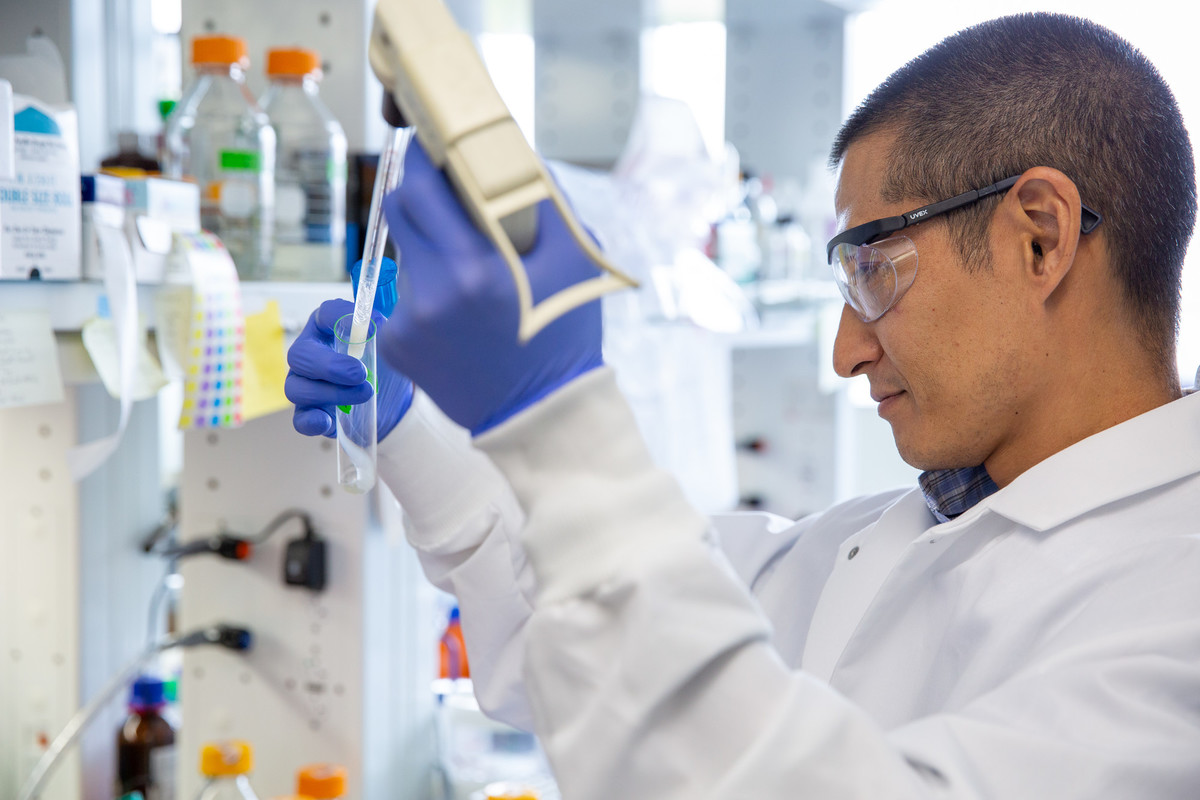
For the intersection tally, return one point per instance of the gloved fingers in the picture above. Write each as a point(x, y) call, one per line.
point(327, 314)
point(427, 200)
point(544, 263)
point(307, 393)
point(312, 359)
point(313, 422)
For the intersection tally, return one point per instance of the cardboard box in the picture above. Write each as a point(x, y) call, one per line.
point(40, 206)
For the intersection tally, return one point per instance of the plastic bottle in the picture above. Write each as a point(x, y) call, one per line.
point(310, 171)
point(453, 650)
point(321, 781)
point(146, 744)
point(218, 136)
point(225, 766)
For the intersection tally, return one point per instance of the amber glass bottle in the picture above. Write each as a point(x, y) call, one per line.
point(146, 744)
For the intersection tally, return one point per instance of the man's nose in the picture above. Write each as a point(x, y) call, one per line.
point(856, 346)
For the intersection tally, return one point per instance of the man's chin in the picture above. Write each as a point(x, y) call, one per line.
point(924, 459)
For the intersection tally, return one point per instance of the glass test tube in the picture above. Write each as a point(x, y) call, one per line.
point(356, 463)
point(356, 432)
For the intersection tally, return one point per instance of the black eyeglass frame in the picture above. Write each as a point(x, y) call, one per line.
point(876, 229)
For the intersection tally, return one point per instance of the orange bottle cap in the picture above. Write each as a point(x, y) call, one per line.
point(321, 781)
point(295, 61)
point(234, 757)
point(510, 791)
point(219, 50)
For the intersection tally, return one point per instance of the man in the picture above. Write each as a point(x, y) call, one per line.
point(1015, 205)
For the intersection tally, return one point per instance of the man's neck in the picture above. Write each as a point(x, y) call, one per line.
point(1076, 409)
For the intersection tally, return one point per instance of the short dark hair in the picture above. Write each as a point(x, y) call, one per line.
point(1047, 90)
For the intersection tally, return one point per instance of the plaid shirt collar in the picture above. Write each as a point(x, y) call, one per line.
point(950, 492)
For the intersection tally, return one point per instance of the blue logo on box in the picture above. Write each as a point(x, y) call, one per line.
point(30, 120)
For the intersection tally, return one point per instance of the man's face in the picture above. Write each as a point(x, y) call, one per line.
point(949, 364)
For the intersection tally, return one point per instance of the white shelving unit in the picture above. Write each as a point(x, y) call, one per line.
point(72, 303)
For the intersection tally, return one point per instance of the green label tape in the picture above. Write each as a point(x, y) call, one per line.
point(241, 160)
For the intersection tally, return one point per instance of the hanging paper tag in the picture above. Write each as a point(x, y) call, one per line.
point(215, 339)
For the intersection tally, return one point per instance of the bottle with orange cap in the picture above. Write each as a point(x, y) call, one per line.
point(506, 790)
point(225, 767)
point(321, 781)
point(219, 137)
point(310, 170)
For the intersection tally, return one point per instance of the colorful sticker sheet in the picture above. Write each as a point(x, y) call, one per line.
point(212, 395)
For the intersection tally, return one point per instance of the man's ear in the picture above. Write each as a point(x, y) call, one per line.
point(1047, 215)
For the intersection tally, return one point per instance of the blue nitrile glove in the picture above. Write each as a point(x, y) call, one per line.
point(454, 329)
point(321, 378)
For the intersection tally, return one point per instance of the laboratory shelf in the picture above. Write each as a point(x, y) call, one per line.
point(72, 303)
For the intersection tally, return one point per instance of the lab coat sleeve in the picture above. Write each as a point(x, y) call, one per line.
point(649, 666)
point(651, 672)
point(463, 519)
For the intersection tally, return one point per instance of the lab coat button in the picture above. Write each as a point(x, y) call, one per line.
point(853, 552)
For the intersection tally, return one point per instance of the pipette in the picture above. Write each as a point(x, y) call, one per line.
point(356, 433)
point(387, 176)
point(430, 68)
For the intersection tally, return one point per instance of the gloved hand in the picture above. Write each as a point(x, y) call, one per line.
point(454, 328)
point(320, 378)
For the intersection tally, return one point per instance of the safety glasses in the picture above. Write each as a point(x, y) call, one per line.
point(873, 269)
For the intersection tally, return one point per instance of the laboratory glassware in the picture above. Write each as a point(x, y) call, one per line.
point(356, 453)
point(146, 743)
point(219, 137)
point(356, 425)
point(310, 171)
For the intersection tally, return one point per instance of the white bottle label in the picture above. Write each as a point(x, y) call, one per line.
point(162, 773)
point(290, 206)
point(238, 198)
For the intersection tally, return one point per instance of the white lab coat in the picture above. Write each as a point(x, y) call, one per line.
point(1045, 644)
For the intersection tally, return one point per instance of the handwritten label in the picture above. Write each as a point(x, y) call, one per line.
point(29, 373)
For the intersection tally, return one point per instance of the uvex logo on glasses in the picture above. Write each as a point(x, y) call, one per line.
point(873, 272)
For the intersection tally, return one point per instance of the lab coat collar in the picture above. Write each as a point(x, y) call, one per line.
point(1150, 450)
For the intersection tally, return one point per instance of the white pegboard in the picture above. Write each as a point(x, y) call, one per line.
point(586, 84)
point(783, 96)
point(314, 682)
point(74, 598)
point(39, 603)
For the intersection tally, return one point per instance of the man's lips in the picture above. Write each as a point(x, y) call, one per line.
point(879, 397)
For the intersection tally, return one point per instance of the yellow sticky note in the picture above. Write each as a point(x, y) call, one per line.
point(265, 366)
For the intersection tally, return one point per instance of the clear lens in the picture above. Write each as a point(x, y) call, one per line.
point(872, 277)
